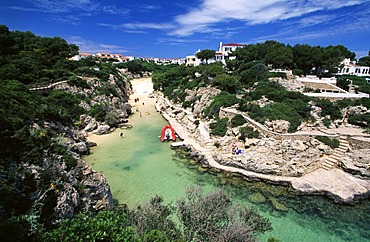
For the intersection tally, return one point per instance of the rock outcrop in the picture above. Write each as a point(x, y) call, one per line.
point(269, 156)
point(74, 185)
point(115, 105)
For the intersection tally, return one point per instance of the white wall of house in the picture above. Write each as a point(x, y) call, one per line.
point(192, 60)
point(354, 70)
point(350, 68)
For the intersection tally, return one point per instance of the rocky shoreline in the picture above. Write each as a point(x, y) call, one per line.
point(263, 159)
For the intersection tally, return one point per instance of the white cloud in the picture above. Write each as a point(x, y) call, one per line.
point(314, 20)
point(158, 26)
point(138, 28)
point(94, 47)
point(68, 6)
point(212, 12)
point(56, 6)
point(114, 10)
point(350, 23)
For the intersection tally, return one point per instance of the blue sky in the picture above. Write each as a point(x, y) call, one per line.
point(170, 28)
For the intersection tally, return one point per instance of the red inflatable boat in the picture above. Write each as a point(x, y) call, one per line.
point(168, 133)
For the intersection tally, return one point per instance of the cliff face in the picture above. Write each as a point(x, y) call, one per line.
point(106, 101)
point(66, 184)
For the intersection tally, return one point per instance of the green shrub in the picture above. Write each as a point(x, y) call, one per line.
point(107, 225)
point(237, 120)
point(223, 99)
point(333, 143)
point(326, 122)
point(362, 120)
point(328, 108)
point(248, 132)
point(98, 111)
point(111, 119)
point(78, 82)
point(219, 127)
point(297, 72)
point(278, 111)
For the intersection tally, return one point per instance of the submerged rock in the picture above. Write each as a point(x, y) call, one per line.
point(257, 198)
point(277, 205)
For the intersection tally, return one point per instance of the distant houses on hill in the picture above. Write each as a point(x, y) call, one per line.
point(103, 55)
point(120, 58)
point(347, 67)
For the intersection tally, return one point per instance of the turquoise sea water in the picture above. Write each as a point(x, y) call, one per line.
point(139, 166)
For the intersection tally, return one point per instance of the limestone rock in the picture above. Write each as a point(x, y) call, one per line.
point(102, 129)
point(278, 126)
point(357, 110)
point(90, 124)
point(80, 148)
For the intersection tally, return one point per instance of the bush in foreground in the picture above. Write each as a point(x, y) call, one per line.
point(210, 217)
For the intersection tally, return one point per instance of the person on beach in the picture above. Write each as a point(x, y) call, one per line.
point(122, 135)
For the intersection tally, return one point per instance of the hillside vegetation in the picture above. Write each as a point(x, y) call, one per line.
point(244, 82)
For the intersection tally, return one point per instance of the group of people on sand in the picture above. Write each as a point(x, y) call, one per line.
point(235, 150)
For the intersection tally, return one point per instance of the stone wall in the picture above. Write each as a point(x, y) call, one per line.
point(358, 144)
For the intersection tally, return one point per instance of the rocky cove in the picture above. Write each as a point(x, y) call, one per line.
point(276, 157)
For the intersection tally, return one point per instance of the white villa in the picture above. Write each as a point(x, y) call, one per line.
point(224, 51)
point(350, 68)
point(222, 54)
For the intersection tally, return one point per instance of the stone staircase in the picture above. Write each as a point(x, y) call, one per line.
point(332, 160)
point(319, 122)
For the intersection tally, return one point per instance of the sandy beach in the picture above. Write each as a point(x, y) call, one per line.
point(141, 89)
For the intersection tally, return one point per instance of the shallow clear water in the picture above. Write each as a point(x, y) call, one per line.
point(139, 166)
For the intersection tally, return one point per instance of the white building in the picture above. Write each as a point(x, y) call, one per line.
point(80, 56)
point(192, 60)
point(350, 68)
point(223, 53)
point(225, 50)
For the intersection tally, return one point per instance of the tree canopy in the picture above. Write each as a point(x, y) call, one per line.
point(205, 54)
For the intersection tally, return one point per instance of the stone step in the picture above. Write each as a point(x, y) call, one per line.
point(331, 159)
point(327, 163)
point(342, 149)
point(326, 167)
point(337, 155)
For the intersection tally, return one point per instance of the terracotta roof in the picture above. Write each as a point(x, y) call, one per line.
point(84, 54)
point(232, 44)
